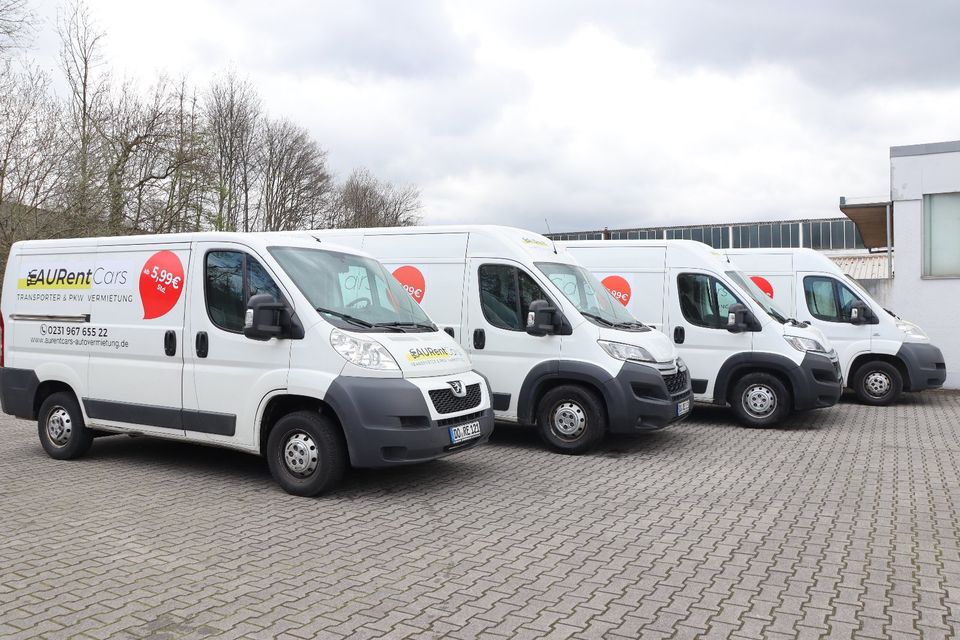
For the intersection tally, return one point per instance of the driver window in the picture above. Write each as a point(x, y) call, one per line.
point(505, 295)
point(704, 300)
point(822, 299)
point(846, 298)
point(231, 278)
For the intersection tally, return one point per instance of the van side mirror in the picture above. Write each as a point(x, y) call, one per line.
point(263, 319)
point(861, 313)
point(542, 319)
point(740, 319)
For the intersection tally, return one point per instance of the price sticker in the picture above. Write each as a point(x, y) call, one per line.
point(161, 283)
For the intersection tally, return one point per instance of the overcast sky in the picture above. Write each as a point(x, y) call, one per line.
point(588, 114)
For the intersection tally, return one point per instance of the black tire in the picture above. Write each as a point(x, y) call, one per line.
point(63, 433)
point(306, 440)
point(571, 419)
point(760, 400)
point(877, 383)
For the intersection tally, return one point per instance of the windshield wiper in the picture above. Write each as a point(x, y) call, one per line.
point(346, 316)
point(597, 318)
point(416, 325)
point(632, 324)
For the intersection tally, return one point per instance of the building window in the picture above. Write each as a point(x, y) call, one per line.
point(941, 235)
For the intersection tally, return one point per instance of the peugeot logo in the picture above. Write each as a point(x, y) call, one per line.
point(457, 388)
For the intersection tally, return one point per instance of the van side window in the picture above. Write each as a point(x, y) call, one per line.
point(505, 295)
point(828, 299)
point(231, 278)
point(704, 300)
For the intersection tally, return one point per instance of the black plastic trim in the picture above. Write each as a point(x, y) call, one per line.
point(373, 413)
point(814, 383)
point(926, 367)
point(699, 386)
point(222, 424)
point(501, 401)
point(628, 410)
point(18, 389)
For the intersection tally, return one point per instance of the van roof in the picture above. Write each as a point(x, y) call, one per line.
point(691, 248)
point(252, 239)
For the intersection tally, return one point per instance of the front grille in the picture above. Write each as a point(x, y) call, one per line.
point(676, 383)
point(445, 402)
point(448, 422)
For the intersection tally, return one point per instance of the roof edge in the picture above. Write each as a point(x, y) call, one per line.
point(925, 149)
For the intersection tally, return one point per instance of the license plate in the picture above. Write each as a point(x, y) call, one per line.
point(463, 432)
point(683, 407)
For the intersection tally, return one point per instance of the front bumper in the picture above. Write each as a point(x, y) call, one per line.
point(817, 382)
point(387, 422)
point(638, 399)
point(926, 368)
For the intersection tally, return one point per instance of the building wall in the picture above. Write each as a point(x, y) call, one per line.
point(934, 304)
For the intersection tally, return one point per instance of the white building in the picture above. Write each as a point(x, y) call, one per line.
point(924, 209)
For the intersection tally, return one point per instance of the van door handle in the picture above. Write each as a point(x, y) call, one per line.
point(679, 335)
point(203, 344)
point(479, 339)
point(170, 343)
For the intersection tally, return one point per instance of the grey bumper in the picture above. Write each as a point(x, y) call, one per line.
point(817, 382)
point(386, 422)
point(926, 368)
point(638, 399)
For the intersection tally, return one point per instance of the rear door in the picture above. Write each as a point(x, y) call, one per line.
point(697, 318)
point(226, 374)
point(135, 337)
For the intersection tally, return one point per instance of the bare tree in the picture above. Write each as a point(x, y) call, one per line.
point(233, 114)
point(31, 165)
point(16, 22)
point(364, 201)
point(295, 184)
point(80, 58)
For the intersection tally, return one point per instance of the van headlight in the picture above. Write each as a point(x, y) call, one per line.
point(804, 344)
point(911, 330)
point(621, 351)
point(368, 354)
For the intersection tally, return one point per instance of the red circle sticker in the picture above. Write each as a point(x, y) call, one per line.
point(412, 280)
point(764, 285)
point(618, 287)
point(161, 283)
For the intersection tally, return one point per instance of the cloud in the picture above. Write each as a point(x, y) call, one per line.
point(588, 114)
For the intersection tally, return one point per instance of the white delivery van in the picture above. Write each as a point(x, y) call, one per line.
point(305, 352)
point(880, 354)
point(740, 348)
point(559, 352)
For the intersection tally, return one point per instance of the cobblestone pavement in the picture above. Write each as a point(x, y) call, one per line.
point(844, 524)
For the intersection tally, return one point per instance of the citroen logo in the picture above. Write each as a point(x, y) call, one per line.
point(457, 388)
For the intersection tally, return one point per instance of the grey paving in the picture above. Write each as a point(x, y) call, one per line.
point(843, 525)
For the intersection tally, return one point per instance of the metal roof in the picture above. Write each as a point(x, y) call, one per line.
point(864, 266)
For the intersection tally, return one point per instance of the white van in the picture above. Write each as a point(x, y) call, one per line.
point(559, 352)
point(880, 354)
point(740, 348)
point(258, 342)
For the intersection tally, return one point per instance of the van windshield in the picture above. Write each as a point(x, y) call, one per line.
point(591, 298)
point(758, 296)
point(350, 291)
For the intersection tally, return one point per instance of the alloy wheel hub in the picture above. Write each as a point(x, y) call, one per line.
point(300, 454)
point(569, 419)
point(759, 400)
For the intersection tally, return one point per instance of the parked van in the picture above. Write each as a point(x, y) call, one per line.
point(257, 342)
point(880, 354)
point(559, 352)
point(741, 348)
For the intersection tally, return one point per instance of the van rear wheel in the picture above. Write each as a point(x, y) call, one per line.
point(570, 419)
point(877, 383)
point(760, 400)
point(306, 454)
point(63, 433)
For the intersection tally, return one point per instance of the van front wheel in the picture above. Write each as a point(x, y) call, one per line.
point(63, 433)
point(877, 383)
point(570, 419)
point(305, 453)
point(760, 400)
